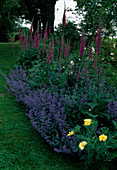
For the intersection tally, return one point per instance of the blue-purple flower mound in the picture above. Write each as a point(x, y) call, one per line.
point(46, 111)
point(53, 115)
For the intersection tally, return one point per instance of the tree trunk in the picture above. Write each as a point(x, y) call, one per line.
point(47, 14)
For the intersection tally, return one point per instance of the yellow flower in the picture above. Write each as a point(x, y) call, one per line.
point(87, 122)
point(89, 109)
point(82, 145)
point(103, 137)
point(70, 133)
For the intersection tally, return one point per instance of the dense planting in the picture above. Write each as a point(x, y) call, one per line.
point(61, 89)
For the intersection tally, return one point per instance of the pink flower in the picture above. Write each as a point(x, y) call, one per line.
point(69, 47)
point(52, 48)
point(95, 62)
point(41, 33)
point(85, 71)
point(37, 40)
point(99, 39)
point(73, 69)
point(24, 42)
point(44, 46)
point(27, 42)
point(64, 17)
point(82, 45)
point(20, 37)
point(46, 34)
point(49, 61)
point(65, 53)
point(101, 70)
point(47, 57)
point(90, 53)
point(62, 44)
point(78, 75)
point(11, 44)
point(31, 30)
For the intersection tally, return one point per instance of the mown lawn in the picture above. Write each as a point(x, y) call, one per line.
point(21, 146)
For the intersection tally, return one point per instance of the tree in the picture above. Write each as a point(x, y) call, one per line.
point(39, 10)
point(104, 10)
point(8, 15)
point(36, 10)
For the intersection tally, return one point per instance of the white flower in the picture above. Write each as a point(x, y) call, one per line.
point(93, 50)
point(112, 58)
point(112, 54)
point(99, 4)
point(72, 63)
point(114, 45)
point(71, 73)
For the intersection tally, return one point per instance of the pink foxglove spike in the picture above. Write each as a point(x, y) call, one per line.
point(101, 70)
point(44, 47)
point(99, 39)
point(64, 15)
point(82, 45)
point(11, 44)
point(90, 53)
point(31, 30)
point(85, 71)
point(78, 75)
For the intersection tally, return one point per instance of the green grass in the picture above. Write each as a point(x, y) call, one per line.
point(21, 146)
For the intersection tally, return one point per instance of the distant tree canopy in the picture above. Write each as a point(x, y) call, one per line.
point(104, 10)
point(36, 10)
point(8, 15)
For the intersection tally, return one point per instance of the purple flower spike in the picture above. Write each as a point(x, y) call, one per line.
point(82, 45)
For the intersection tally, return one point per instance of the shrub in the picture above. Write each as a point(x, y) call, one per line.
point(70, 32)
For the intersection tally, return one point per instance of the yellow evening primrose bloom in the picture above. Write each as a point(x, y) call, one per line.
point(87, 122)
point(90, 110)
point(82, 145)
point(70, 133)
point(103, 137)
